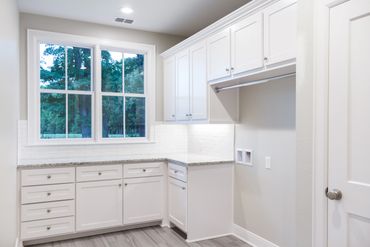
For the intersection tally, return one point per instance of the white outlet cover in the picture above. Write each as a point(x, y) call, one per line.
point(244, 157)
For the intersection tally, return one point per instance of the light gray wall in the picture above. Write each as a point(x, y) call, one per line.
point(265, 199)
point(9, 70)
point(30, 21)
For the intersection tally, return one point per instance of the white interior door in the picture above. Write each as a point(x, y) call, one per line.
point(349, 124)
point(182, 86)
point(199, 84)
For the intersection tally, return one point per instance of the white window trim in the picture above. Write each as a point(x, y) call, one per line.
point(35, 37)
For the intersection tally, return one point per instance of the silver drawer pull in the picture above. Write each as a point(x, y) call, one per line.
point(126, 184)
point(175, 171)
point(183, 188)
point(48, 194)
point(49, 177)
point(48, 211)
point(144, 170)
point(48, 228)
point(99, 173)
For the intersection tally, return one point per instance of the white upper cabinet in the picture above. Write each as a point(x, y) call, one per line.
point(247, 45)
point(183, 85)
point(198, 82)
point(219, 55)
point(169, 78)
point(280, 24)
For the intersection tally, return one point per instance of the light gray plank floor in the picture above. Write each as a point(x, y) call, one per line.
point(146, 237)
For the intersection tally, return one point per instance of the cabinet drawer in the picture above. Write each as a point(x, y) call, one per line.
point(48, 176)
point(177, 171)
point(46, 228)
point(142, 170)
point(47, 210)
point(48, 193)
point(96, 173)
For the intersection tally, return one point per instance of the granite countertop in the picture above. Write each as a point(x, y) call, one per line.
point(180, 159)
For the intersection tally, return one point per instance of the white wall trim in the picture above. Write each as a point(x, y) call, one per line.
point(207, 238)
point(320, 138)
point(251, 238)
point(18, 243)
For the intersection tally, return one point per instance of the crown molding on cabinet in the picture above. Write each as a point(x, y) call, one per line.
point(247, 9)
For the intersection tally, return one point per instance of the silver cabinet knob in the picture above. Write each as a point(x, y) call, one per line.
point(48, 228)
point(48, 211)
point(144, 170)
point(227, 69)
point(120, 185)
point(334, 194)
point(48, 194)
point(183, 188)
point(49, 176)
point(173, 115)
point(126, 184)
point(266, 59)
point(99, 173)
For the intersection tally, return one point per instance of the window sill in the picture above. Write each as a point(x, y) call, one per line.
point(90, 142)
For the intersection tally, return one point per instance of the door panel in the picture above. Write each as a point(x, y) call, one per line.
point(280, 22)
point(98, 204)
point(169, 78)
point(199, 84)
point(142, 199)
point(218, 58)
point(349, 121)
point(177, 197)
point(182, 86)
point(247, 44)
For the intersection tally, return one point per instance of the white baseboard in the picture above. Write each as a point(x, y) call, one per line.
point(18, 243)
point(251, 238)
point(210, 237)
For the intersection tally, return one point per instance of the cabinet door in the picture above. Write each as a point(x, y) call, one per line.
point(247, 45)
point(218, 58)
point(280, 23)
point(169, 78)
point(177, 197)
point(198, 82)
point(182, 86)
point(142, 199)
point(98, 204)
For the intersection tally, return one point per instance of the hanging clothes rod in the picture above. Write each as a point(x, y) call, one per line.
point(250, 83)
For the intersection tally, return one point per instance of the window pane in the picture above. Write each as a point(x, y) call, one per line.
point(52, 66)
point(53, 116)
point(135, 117)
point(134, 73)
point(79, 116)
point(112, 116)
point(79, 68)
point(111, 69)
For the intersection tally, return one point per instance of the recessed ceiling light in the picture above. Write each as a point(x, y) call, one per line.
point(127, 10)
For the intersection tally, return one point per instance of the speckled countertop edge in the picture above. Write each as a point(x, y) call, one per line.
point(122, 161)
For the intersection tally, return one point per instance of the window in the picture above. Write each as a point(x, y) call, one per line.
point(86, 90)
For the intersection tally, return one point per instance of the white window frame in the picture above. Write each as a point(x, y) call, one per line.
point(35, 37)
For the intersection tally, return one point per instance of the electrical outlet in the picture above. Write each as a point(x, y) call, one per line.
point(268, 162)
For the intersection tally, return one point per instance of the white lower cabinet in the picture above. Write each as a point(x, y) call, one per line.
point(143, 199)
point(177, 203)
point(98, 204)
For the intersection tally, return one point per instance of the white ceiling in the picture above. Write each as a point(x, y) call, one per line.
point(180, 17)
